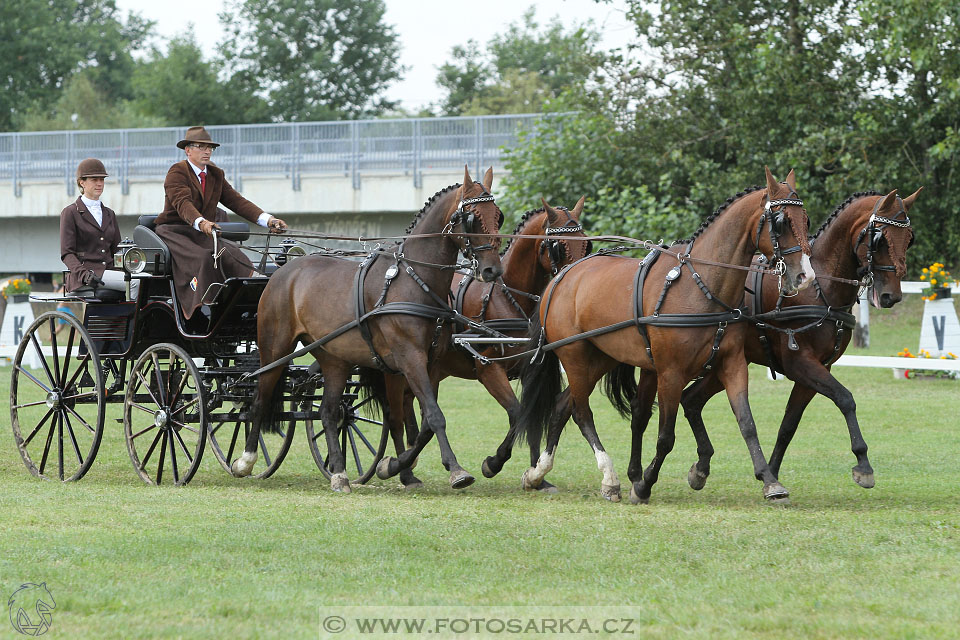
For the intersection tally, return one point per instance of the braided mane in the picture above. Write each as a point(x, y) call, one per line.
point(524, 219)
point(839, 209)
point(713, 216)
point(427, 205)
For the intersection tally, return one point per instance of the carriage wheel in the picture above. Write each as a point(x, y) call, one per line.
point(358, 437)
point(228, 438)
point(57, 411)
point(164, 416)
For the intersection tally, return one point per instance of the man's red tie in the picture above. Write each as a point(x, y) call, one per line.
point(203, 181)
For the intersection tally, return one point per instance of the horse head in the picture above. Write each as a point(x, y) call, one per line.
point(785, 243)
point(477, 219)
point(556, 253)
point(881, 247)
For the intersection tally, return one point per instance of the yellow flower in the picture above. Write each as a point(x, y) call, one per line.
point(925, 270)
point(933, 281)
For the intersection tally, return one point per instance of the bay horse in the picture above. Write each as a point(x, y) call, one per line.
point(507, 306)
point(863, 242)
point(378, 314)
point(598, 317)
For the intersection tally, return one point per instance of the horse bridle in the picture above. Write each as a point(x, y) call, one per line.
point(873, 233)
point(775, 214)
point(555, 248)
point(464, 218)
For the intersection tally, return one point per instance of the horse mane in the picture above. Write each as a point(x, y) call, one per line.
point(426, 205)
point(839, 209)
point(713, 216)
point(524, 219)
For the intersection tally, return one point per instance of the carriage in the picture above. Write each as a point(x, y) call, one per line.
point(181, 383)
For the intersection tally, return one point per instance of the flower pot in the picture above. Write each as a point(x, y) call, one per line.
point(942, 293)
point(20, 297)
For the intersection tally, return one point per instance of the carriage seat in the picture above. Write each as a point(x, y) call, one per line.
point(146, 238)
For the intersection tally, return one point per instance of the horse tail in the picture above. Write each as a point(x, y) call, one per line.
point(620, 387)
point(267, 413)
point(372, 391)
point(541, 384)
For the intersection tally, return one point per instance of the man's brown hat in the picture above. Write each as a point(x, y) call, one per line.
point(197, 135)
point(91, 168)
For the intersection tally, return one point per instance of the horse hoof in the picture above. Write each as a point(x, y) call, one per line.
point(486, 470)
point(243, 466)
point(528, 485)
point(409, 481)
point(460, 479)
point(412, 484)
point(696, 479)
point(340, 482)
point(383, 468)
point(546, 487)
point(865, 480)
point(610, 492)
point(775, 492)
point(635, 498)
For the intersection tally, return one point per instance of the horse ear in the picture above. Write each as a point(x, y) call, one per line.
point(578, 208)
point(771, 183)
point(792, 180)
point(909, 200)
point(889, 201)
point(467, 182)
point(488, 179)
point(553, 216)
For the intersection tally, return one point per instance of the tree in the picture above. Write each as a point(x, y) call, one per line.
point(180, 88)
point(313, 59)
point(43, 42)
point(81, 106)
point(522, 69)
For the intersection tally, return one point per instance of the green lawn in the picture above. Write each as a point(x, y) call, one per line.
point(233, 558)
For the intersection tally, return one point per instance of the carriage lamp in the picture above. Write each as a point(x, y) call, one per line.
point(134, 260)
point(289, 250)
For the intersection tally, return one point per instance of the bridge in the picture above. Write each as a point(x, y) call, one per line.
point(361, 177)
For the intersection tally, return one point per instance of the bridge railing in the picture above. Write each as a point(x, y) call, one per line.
point(350, 148)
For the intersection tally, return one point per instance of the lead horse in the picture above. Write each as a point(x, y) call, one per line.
point(381, 314)
point(598, 318)
point(863, 242)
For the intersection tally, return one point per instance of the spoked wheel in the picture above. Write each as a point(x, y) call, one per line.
point(362, 446)
point(57, 409)
point(228, 436)
point(164, 416)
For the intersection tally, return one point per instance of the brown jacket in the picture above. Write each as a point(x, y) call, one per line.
point(183, 201)
point(85, 245)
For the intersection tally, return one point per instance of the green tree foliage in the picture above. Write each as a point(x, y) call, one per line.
point(181, 88)
point(44, 42)
point(521, 69)
point(853, 96)
point(82, 106)
point(314, 59)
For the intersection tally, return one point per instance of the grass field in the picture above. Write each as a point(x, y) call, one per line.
point(233, 558)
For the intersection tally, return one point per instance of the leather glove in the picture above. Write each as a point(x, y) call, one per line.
point(208, 227)
point(89, 278)
point(276, 225)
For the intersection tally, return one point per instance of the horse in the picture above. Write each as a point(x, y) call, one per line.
point(598, 319)
point(863, 242)
point(381, 314)
point(506, 306)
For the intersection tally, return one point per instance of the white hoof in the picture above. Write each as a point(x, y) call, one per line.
point(528, 481)
point(243, 466)
point(611, 493)
point(340, 482)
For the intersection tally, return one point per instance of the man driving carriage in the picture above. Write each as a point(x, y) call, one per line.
point(192, 190)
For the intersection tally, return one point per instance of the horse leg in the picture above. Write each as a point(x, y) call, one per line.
point(669, 389)
point(495, 381)
point(693, 400)
point(261, 409)
point(331, 415)
point(641, 409)
point(734, 376)
point(533, 478)
point(397, 401)
point(800, 397)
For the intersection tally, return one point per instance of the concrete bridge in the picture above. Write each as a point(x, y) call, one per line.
point(343, 178)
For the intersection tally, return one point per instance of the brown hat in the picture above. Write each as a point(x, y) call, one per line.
point(197, 135)
point(91, 168)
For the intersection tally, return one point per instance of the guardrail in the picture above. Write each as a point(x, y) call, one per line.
point(351, 148)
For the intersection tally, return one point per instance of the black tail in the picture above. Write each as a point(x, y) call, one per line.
point(542, 383)
point(268, 414)
point(372, 391)
point(620, 387)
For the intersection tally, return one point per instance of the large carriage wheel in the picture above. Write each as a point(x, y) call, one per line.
point(358, 437)
point(57, 411)
point(228, 438)
point(164, 416)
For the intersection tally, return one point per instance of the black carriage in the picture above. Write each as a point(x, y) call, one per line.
point(181, 381)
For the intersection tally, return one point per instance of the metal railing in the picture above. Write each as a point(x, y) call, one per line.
point(351, 148)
